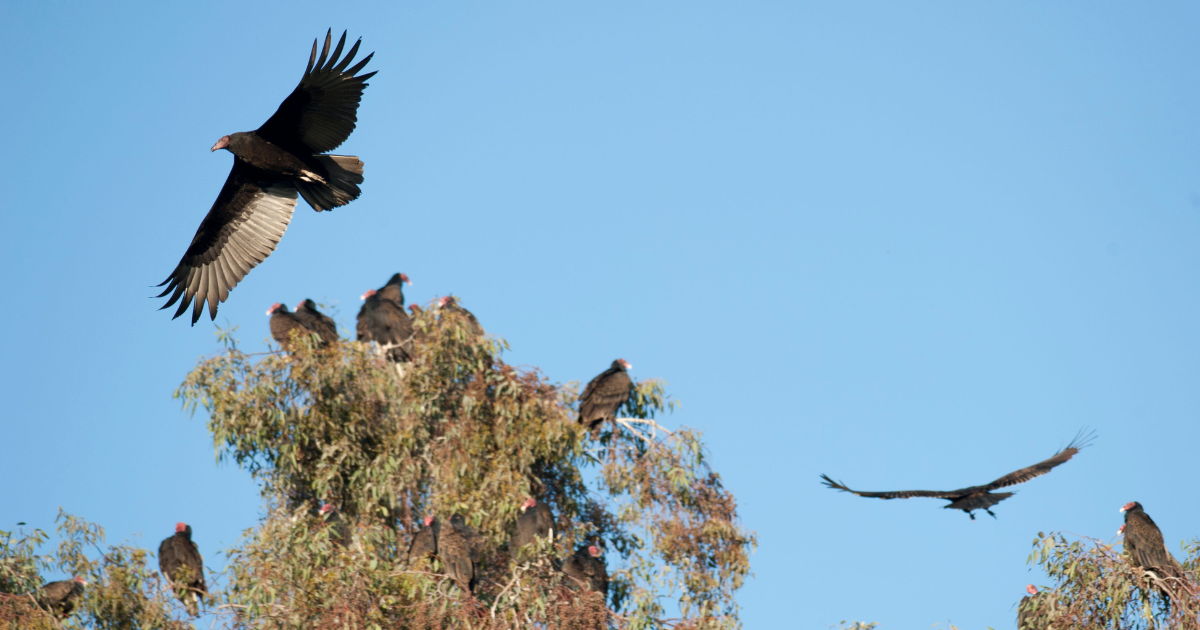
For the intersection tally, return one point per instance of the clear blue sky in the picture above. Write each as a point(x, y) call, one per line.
point(911, 245)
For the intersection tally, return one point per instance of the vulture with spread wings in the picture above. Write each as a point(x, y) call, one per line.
point(270, 166)
point(979, 497)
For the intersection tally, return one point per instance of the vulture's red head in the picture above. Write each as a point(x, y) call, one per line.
point(625, 364)
point(1121, 530)
point(78, 579)
point(368, 294)
point(444, 301)
point(276, 307)
point(428, 520)
point(405, 280)
point(1031, 589)
point(1130, 506)
point(414, 308)
point(328, 508)
point(530, 502)
point(181, 528)
point(223, 143)
point(593, 551)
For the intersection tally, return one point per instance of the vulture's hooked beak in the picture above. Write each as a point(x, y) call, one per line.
point(223, 143)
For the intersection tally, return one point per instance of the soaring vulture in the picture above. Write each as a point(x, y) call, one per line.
point(586, 567)
point(1144, 543)
point(317, 322)
point(978, 497)
point(425, 543)
point(1031, 612)
point(604, 395)
point(180, 563)
point(449, 304)
point(270, 166)
point(536, 521)
point(382, 319)
point(59, 597)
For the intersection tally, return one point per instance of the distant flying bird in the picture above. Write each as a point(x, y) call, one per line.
point(536, 521)
point(382, 319)
point(317, 322)
point(424, 543)
point(979, 497)
point(1144, 543)
point(271, 164)
point(458, 548)
point(586, 568)
point(180, 562)
point(59, 597)
point(604, 395)
point(1031, 612)
point(449, 304)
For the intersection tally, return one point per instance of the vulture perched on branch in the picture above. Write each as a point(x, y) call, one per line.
point(1144, 543)
point(425, 543)
point(604, 395)
point(1031, 612)
point(536, 521)
point(382, 319)
point(270, 166)
point(283, 323)
point(449, 304)
point(586, 568)
point(58, 598)
point(458, 549)
point(180, 563)
point(339, 531)
point(978, 497)
point(317, 322)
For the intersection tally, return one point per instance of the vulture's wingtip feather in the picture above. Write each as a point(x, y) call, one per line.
point(337, 52)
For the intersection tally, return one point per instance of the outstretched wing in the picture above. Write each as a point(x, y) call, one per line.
point(898, 494)
point(322, 111)
point(1082, 439)
point(245, 223)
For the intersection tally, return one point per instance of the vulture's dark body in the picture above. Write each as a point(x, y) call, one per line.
point(272, 165)
point(382, 319)
point(977, 497)
point(586, 571)
point(1145, 546)
point(317, 322)
point(180, 562)
point(534, 522)
point(458, 549)
point(453, 309)
point(604, 395)
point(1031, 612)
point(284, 324)
point(424, 544)
point(59, 597)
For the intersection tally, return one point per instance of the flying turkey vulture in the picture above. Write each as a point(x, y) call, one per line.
point(271, 164)
point(458, 549)
point(536, 521)
point(604, 396)
point(1031, 612)
point(586, 566)
point(382, 319)
point(978, 497)
point(59, 597)
point(1144, 543)
point(317, 322)
point(180, 563)
point(449, 304)
point(283, 322)
point(424, 544)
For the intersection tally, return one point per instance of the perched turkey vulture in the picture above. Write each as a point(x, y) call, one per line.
point(979, 497)
point(604, 395)
point(1144, 543)
point(382, 319)
point(339, 532)
point(180, 563)
point(536, 521)
point(58, 598)
point(586, 566)
point(317, 322)
point(449, 304)
point(458, 548)
point(425, 543)
point(1031, 612)
point(271, 164)
point(283, 323)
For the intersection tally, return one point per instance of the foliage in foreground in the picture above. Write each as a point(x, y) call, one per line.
point(1096, 587)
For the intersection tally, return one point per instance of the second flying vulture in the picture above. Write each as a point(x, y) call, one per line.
point(271, 165)
point(978, 497)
